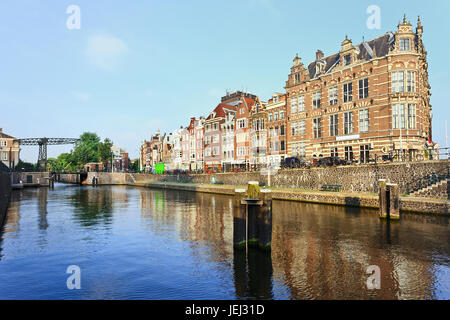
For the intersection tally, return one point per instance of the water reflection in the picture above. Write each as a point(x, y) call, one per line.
point(318, 252)
point(93, 206)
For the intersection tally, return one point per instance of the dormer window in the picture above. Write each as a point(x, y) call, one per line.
point(405, 45)
point(297, 78)
point(347, 59)
point(276, 99)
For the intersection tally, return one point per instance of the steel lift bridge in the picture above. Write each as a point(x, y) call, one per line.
point(43, 143)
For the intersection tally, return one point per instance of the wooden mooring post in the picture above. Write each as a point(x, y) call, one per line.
point(252, 218)
point(389, 200)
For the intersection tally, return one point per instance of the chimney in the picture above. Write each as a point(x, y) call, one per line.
point(319, 55)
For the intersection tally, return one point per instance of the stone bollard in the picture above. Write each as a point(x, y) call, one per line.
point(394, 201)
point(382, 211)
point(239, 220)
point(265, 220)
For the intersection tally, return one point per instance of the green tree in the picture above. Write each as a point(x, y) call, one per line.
point(104, 151)
point(22, 166)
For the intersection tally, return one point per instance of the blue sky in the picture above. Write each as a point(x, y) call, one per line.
point(136, 66)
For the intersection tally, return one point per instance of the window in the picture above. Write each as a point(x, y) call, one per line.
point(348, 92)
point(334, 152)
point(411, 116)
point(270, 146)
point(270, 117)
point(333, 96)
point(317, 128)
point(347, 59)
point(398, 116)
point(411, 81)
point(334, 129)
point(364, 120)
point(302, 149)
point(348, 153)
point(276, 99)
point(3, 143)
point(348, 123)
point(275, 116)
point(216, 126)
point(282, 130)
point(301, 127)
point(216, 138)
point(294, 105)
point(398, 81)
point(4, 156)
point(404, 45)
point(316, 100)
point(364, 153)
point(301, 103)
point(294, 128)
point(241, 123)
point(296, 78)
point(281, 114)
point(364, 88)
point(282, 145)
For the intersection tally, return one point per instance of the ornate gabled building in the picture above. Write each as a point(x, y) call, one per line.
point(276, 129)
point(258, 135)
point(368, 99)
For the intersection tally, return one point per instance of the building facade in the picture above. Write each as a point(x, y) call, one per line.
point(276, 129)
point(368, 99)
point(9, 150)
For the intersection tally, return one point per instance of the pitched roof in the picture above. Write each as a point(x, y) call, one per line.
point(6, 136)
point(220, 111)
point(378, 47)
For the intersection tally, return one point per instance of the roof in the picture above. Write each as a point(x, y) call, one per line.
point(6, 136)
point(378, 47)
point(220, 111)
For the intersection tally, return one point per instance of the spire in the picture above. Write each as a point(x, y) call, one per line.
point(419, 23)
point(404, 19)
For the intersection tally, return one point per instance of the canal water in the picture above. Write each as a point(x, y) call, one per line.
point(138, 243)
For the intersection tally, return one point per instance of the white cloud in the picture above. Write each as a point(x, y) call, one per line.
point(104, 51)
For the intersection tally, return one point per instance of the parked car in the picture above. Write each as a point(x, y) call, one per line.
point(293, 162)
point(330, 161)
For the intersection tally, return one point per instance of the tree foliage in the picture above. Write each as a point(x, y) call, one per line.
point(90, 148)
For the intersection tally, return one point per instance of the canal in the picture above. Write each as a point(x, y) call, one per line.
point(139, 243)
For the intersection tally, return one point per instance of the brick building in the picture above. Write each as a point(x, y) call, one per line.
point(276, 129)
point(242, 130)
point(368, 99)
point(9, 150)
point(213, 137)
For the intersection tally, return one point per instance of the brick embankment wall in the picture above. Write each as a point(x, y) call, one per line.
point(357, 178)
point(5, 194)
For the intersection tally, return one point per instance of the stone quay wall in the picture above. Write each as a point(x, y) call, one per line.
point(356, 178)
point(5, 194)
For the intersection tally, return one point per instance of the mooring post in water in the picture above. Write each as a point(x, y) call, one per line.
point(383, 210)
point(389, 200)
point(252, 202)
point(252, 217)
point(239, 220)
point(394, 201)
point(265, 220)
